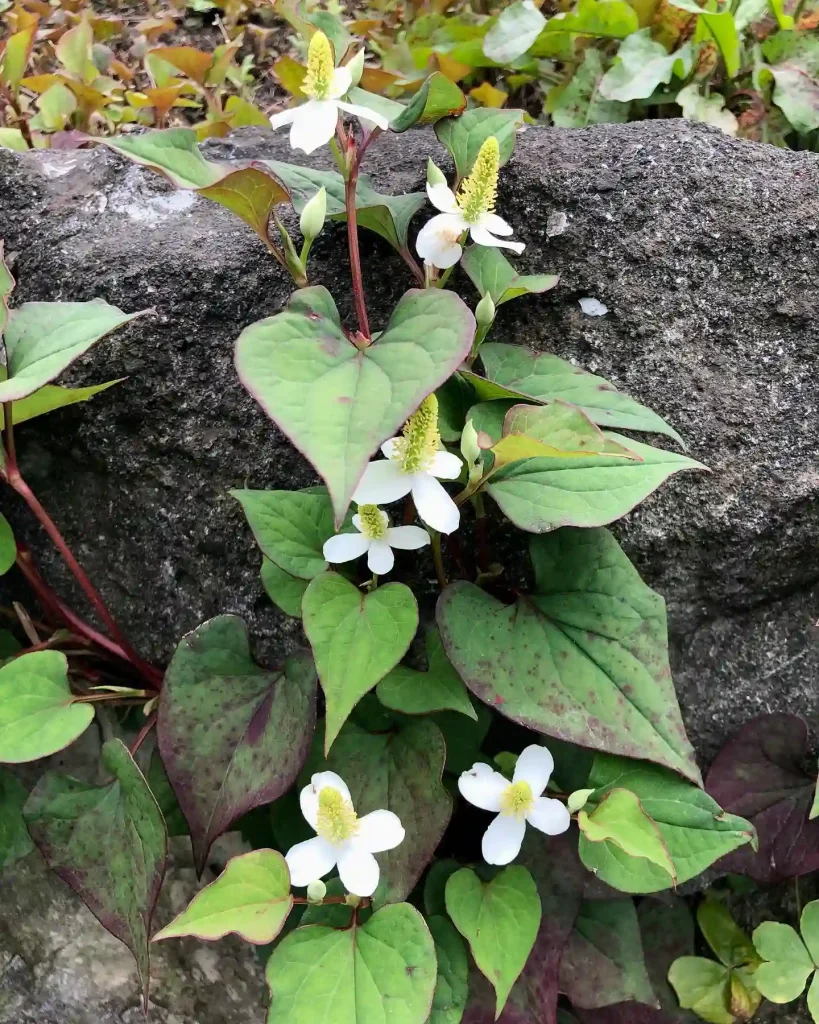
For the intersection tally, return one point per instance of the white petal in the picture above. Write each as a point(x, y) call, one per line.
point(535, 766)
point(550, 816)
point(310, 860)
point(285, 117)
point(378, 831)
point(446, 466)
point(389, 448)
point(484, 237)
point(358, 870)
point(340, 82)
point(434, 505)
point(442, 198)
point(437, 242)
point(483, 786)
point(407, 538)
point(315, 125)
point(382, 483)
point(380, 558)
point(497, 225)
point(364, 114)
point(344, 547)
point(501, 841)
point(323, 779)
point(308, 798)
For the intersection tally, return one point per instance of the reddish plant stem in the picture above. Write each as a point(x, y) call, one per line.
point(355, 255)
point(143, 732)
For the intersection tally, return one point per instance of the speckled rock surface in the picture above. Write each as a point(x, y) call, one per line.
point(705, 251)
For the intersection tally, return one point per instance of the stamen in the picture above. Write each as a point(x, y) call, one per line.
point(336, 820)
point(373, 522)
point(517, 799)
point(478, 192)
point(420, 441)
point(320, 67)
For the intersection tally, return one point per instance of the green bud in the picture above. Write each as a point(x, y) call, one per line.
point(355, 65)
point(435, 176)
point(577, 800)
point(314, 214)
point(485, 311)
point(470, 449)
point(351, 900)
point(316, 891)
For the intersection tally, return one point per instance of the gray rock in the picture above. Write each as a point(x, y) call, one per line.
point(705, 252)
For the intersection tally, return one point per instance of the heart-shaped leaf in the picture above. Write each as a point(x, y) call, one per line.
point(499, 920)
point(290, 527)
point(356, 639)
point(438, 97)
point(440, 688)
point(788, 963)
point(43, 338)
point(108, 843)
point(452, 987)
point(400, 771)
point(251, 194)
point(38, 714)
point(589, 646)
point(703, 986)
point(8, 546)
point(492, 274)
point(564, 427)
point(383, 970)
point(463, 136)
point(15, 842)
point(284, 590)
point(232, 735)
point(6, 288)
point(517, 27)
point(337, 402)
point(251, 898)
point(51, 397)
point(619, 819)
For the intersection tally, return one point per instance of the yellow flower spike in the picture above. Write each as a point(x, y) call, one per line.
point(478, 192)
point(320, 67)
point(336, 821)
point(421, 439)
point(373, 525)
point(517, 800)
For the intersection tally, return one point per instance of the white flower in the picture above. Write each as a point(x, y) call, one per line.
point(517, 802)
point(414, 465)
point(313, 123)
point(342, 838)
point(377, 538)
point(470, 211)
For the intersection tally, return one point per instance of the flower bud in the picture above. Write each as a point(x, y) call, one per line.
point(316, 891)
point(577, 800)
point(355, 65)
point(485, 311)
point(435, 176)
point(314, 214)
point(470, 449)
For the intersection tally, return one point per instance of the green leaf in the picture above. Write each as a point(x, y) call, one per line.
point(173, 152)
point(463, 136)
point(608, 19)
point(160, 786)
point(400, 771)
point(641, 66)
point(499, 920)
point(50, 398)
point(232, 735)
point(463, 738)
point(797, 96)
point(788, 964)
point(580, 104)
point(290, 527)
point(108, 843)
point(606, 946)
point(809, 926)
point(383, 970)
point(695, 829)
point(721, 27)
point(710, 109)
point(702, 986)
point(43, 338)
point(55, 106)
point(452, 987)
point(15, 842)
point(491, 272)
point(337, 402)
point(814, 808)
point(797, 49)
point(38, 715)
point(251, 898)
point(563, 427)
point(730, 943)
point(541, 494)
point(8, 546)
point(619, 819)
point(516, 28)
point(284, 590)
point(251, 194)
point(13, 138)
point(356, 639)
point(438, 97)
point(440, 688)
point(589, 646)
point(543, 378)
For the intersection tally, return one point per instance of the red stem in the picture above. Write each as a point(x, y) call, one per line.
point(355, 255)
point(143, 732)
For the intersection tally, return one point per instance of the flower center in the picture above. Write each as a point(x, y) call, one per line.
point(477, 193)
point(372, 522)
point(336, 821)
point(320, 67)
point(417, 447)
point(517, 799)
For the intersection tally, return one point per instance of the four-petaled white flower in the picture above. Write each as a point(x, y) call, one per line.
point(377, 538)
point(516, 802)
point(313, 123)
point(342, 838)
point(470, 211)
point(414, 465)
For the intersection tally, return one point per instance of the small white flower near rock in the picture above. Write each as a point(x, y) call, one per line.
point(375, 537)
point(516, 803)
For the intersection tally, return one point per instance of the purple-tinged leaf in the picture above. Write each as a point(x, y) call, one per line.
point(108, 843)
point(232, 735)
point(667, 932)
point(760, 774)
point(625, 1013)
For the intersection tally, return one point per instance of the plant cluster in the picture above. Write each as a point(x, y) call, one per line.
point(466, 794)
